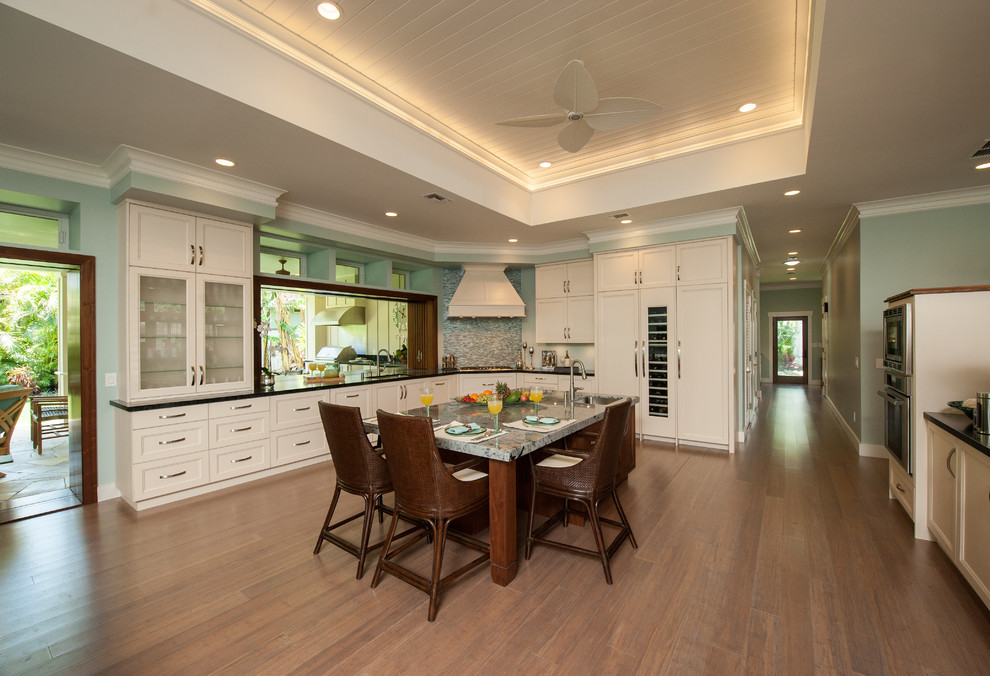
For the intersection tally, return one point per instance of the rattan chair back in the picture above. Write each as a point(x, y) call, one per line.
point(359, 467)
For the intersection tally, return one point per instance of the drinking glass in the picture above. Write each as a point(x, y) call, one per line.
point(536, 394)
point(494, 407)
point(321, 368)
point(312, 369)
point(426, 396)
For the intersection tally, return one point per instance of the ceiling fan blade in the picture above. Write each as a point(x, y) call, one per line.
point(573, 137)
point(618, 112)
point(548, 120)
point(574, 90)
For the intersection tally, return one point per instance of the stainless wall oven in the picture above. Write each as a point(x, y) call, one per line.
point(896, 396)
point(897, 355)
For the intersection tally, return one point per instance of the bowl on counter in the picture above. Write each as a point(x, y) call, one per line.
point(968, 410)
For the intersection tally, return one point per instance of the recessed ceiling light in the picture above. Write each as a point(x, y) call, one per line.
point(546, 165)
point(747, 107)
point(328, 10)
point(985, 165)
point(794, 230)
point(513, 240)
point(793, 279)
point(391, 214)
point(790, 269)
point(792, 253)
point(791, 261)
point(224, 163)
point(791, 193)
point(626, 221)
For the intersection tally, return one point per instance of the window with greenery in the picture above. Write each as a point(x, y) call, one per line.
point(398, 280)
point(348, 273)
point(33, 228)
point(29, 307)
point(283, 330)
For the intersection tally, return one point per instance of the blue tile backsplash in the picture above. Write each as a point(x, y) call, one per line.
point(481, 341)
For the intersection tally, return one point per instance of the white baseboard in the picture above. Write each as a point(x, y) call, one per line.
point(850, 434)
point(107, 492)
point(873, 451)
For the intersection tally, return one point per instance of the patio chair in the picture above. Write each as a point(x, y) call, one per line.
point(12, 400)
point(49, 419)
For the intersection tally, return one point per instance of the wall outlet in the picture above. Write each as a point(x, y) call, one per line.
point(857, 362)
point(854, 416)
point(110, 379)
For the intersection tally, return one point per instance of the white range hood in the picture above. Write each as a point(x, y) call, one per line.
point(485, 291)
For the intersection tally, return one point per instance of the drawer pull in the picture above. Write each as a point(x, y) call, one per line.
point(174, 415)
point(304, 408)
point(301, 443)
point(241, 459)
point(171, 441)
point(238, 408)
point(171, 476)
point(900, 488)
point(351, 396)
point(241, 429)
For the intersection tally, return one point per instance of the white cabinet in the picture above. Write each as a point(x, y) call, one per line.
point(560, 280)
point(297, 427)
point(361, 396)
point(395, 397)
point(669, 339)
point(565, 320)
point(974, 515)
point(177, 240)
point(476, 383)
point(186, 333)
point(943, 499)
point(565, 304)
point(548, 381)
point(441, 388)
point(901, 486)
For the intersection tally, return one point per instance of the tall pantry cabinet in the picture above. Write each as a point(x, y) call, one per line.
point(187, 303)
point(664, 333)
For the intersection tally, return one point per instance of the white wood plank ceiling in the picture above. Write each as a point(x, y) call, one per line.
point(459, 66)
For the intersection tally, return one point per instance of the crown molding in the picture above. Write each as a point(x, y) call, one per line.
point(926, 202)
point(746, 235)
point(576, 246)
point(849, 225)
point(348, 226)
point(50, 166)
point(787, 286)
point(692, 222)
point(125, 160)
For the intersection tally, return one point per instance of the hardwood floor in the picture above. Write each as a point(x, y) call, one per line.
point(784, 558)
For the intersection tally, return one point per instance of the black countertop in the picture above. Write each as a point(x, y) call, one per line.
point(297, 384)
point(961, 427)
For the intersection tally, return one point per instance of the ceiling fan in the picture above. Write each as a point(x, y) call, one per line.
point(575, 92)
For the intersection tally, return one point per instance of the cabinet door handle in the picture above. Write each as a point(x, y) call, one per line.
point(304, 408)
point(899, 487)
point(174, 415)
point(201, 254)
point(302, 443)
point(202, 374)
point(241, 459)
point(171, 476)
point(636, 358)
point(192, 255)
point(166, 442)
point(241, 429)
point(948, 459)
point(193, 382)
point(678, 360)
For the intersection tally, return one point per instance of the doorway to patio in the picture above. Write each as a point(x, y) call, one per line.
point(790, 365)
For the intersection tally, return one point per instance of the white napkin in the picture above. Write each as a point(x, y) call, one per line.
point(520, 425)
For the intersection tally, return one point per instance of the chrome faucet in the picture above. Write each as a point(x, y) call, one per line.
point(584, 376)
point(388, 358)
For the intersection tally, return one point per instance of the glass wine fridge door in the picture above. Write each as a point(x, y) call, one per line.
point(163, 349)
point(657, 380)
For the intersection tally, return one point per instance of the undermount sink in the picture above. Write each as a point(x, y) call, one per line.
point(596, 399)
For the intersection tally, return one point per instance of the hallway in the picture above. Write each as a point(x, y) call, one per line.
point(786, 557)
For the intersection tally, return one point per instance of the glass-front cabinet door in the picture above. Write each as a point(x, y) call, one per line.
point(162, 343)
point(223, 333)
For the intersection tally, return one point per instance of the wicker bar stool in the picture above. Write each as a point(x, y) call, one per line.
point(428, 491)
point(588, 477)
point(360, 470)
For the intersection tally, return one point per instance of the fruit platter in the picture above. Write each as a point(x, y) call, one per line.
point(509, 395)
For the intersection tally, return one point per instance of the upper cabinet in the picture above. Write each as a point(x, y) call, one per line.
point(174, 240)
point(700, 262)
point(561, 280)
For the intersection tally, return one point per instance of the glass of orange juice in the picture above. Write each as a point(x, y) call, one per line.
point(426, 396)
point(312, 369)
point(495, 407)
point(536, 394)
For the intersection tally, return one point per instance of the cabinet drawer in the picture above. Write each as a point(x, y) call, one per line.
point(544, 380)
point(222, 409)
point(293, 411)
point(168, 416)
point(238, 428)
point(299, 445)
point(154, 443)
point(161, 477)
point(902, 487)
point(239, 460)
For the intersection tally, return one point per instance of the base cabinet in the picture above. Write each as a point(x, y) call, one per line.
point(901, 486)
point(943, 492)
point(974, 521)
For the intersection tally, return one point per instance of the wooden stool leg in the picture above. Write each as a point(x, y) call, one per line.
point(388, 545)
point(596, 528)
point(370, 503)
point(438, 546)
point(333, 505)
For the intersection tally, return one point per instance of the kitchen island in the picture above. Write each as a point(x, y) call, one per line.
point(503, 451)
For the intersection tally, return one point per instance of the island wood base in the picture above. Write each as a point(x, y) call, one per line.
point(502, 520)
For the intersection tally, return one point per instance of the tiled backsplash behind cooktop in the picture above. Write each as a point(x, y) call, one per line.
point(482, 341)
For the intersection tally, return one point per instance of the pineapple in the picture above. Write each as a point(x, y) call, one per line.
point(502, 389)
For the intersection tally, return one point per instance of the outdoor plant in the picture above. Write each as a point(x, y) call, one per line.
point(29, 329)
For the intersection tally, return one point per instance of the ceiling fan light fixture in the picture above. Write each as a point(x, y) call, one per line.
point(329, 10)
